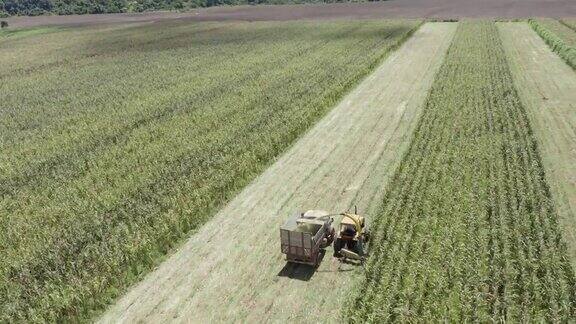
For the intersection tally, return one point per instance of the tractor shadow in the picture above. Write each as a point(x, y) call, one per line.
point(298, 271)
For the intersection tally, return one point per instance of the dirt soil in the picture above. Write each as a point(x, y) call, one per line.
point(384, 9)
point(547, 88)
point(232, 270)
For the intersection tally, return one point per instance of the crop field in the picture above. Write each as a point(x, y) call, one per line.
point(468, 229)
point(548, 91)
point(343, 160)
point(146, 168)
point(560, 35)
point(19, 33)
point(561, 29)
point(117, 141)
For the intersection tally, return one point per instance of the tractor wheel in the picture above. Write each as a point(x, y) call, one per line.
point(351, 245)
point(366, 236)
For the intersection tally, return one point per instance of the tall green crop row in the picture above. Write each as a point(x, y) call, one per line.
point(560, 37)
point(468, 231)
point(560, 29)
point(117, 142)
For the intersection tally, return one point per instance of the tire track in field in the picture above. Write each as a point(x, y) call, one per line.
point(547, 88)
point(232, 269)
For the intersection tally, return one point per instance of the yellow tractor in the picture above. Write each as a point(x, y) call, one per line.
point(351, 238)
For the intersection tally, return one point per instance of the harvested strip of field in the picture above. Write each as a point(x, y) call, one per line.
point(570, 23)
point(565, 33)
point(468, 230)
point(117, 142)
point(547, 87)
point(559, 37)
point(232, 269)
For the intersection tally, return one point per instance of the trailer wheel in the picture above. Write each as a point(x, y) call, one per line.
point(329, 238)
point(337, 247)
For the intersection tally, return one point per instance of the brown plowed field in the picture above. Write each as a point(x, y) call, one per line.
point(367, 10)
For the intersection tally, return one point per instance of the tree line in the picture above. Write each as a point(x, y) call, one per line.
point(69, 7)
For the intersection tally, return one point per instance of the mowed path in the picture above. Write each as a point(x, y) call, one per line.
point(232, 269)
point(547, 87)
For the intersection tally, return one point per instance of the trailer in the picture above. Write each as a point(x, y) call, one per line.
point(305, 235)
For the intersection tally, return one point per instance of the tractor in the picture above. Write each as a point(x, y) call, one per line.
point(351, 242)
